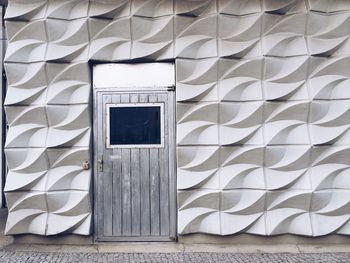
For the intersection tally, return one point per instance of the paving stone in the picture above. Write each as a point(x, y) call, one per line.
point(7, 256)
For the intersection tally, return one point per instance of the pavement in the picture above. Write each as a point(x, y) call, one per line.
point(13, 256)
point(168, 252)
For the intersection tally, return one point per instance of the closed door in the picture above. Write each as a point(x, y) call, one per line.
point(135, 160)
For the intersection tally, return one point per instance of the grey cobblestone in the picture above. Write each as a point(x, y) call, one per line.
point(7, 256)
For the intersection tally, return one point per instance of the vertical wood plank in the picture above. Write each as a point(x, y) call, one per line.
point(145, 186)
point(126, 184)
point(154, 185)
point(107, 176)
point(135, 185)
point(172, 164)
point(117, 183)
point(164, 173)
point(100, 185)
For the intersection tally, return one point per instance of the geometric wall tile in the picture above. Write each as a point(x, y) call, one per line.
point(199, 212)
point(241, 123)
point(26, 41)
point(330, 175)
point(191, 93)
point(109, 8)
point(329, 154)
point(21, 219)
point(195, 38)
point(152, 38)
point(67, 211)
point(27, 126)
point(240, 79)
point(283, 36)
point(284, 7)
point(195, 8)
point(66, 170)
point(284, 78)
point(287, 167)
point(67, 9)
point(69, 126)
point(330, 122)
point(241, 40)
point(152, 8)
point(330, 211)
point(68, 83)
point(110, 39)
point(197, 167)
point(26, 10)
point(329, 6)
point(239, 7)
point(68, 40)
point(329, 78)
point(26, 84)
point(241, 167)
point(243, 211)
point(328, 34)
point(192, 128)
point(288, 212)
point(27, 169)
point(286, 122)
point(196, 72)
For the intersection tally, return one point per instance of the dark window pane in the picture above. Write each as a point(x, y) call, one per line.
point(135, 125)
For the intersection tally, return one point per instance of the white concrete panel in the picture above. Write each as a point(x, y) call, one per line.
point(134, 75)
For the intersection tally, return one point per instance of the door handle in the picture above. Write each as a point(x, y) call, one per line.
point(100, 164)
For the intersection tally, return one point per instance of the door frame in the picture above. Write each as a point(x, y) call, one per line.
point(172, 165)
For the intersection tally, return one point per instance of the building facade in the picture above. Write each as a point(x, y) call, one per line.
point(261, 135)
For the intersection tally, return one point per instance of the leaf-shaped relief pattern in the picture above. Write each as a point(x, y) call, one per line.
point(329, 6)
point(27, 41)
point(69, 40)
point(241, 40)
point(67, 9)
point(262, 110)
point(153, 38)
point(328, 35)
point(195, 37)
point(26, 10)
point(109, 9)
point(283, 36)
point(239, 7)
point(27, 84)
point(69, 126)
point(111, 39)
point(284, 7)
point(68, 83)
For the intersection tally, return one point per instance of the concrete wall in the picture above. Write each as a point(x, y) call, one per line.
point(263, 110)
point(3, 43)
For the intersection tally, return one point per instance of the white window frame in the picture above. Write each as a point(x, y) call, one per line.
point(147, 104)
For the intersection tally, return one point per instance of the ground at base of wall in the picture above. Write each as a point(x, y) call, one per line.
point(176, 248)
point(4, 240)
point(21, 257)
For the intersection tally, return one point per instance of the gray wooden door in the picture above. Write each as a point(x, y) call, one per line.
point(135, 197)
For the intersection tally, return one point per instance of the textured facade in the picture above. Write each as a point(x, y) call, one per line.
point(263, 109)
point(2, 96)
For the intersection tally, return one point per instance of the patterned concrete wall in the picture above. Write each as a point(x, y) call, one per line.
point(263, 109)
point(3, 42)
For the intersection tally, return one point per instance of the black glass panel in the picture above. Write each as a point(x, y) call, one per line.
point(134, 125)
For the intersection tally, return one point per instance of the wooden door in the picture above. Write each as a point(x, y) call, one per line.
point(135, 196)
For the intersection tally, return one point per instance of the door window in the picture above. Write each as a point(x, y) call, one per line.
point(138, 125)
